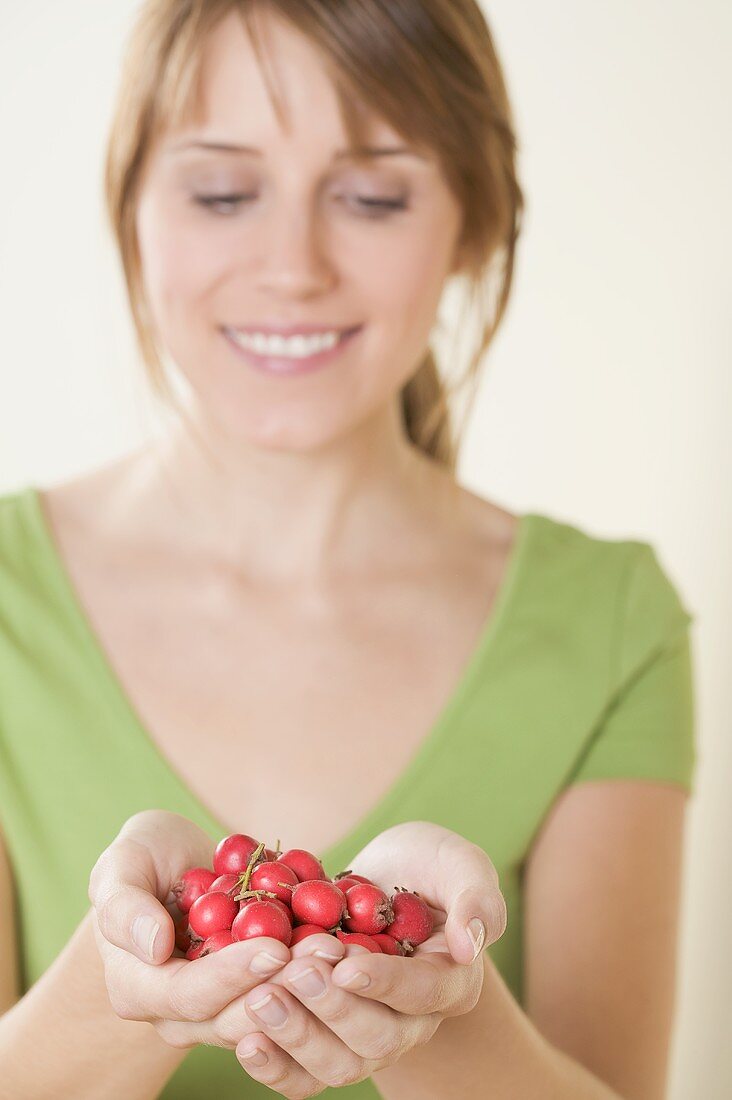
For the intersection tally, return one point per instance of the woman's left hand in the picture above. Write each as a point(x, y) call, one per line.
point(369, 1010)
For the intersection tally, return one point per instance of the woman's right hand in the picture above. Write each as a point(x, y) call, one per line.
point(129, 888)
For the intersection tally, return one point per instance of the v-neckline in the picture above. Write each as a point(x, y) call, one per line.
point(370, 823)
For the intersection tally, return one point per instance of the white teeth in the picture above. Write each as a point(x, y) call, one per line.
point(293, 347)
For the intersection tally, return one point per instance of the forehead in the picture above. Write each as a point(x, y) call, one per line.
point(235, 100)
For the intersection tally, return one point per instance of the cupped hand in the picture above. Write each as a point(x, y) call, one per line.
point(315, 1026)
point(130, 889)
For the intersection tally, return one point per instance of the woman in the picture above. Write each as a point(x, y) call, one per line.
point(285, 617)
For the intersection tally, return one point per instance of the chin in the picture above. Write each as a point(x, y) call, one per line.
point(278, 433)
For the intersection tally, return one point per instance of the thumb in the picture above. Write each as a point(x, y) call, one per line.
point(476, 918)
point(122, 889)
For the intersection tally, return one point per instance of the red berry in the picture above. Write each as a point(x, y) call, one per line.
point(194, 951)
point(304, 930)
point(305, 865)
point(225, 884)
point(272, 901)
point(182, 935)
point(413, 920)
point(261, 918)
point(270, 876)
point(369, 909)
point(212, 913)
point(216, 942)
point(388, 944)
point(359, 937)
point(358, 878)
point(233, 853)
point(192, 883)
point(345, 883)
point(320, 903)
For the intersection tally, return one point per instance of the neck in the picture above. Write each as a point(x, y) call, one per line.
point(301, 517)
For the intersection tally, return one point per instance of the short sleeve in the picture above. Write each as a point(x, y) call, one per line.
point(647, 730)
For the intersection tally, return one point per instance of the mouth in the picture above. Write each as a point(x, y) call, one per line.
point(291, 356)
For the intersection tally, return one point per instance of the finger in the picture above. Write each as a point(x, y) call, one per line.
point(123, 888)
point(266, 1062)
point(296, 1030)
point(416, 986)
point(192, 991)
point(323, 946)
point(476, 919)
point(371, 1029)
point(469, 894)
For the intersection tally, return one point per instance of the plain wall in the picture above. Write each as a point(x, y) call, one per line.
point(607, 393)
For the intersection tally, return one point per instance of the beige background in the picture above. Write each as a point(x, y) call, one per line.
point(606, 399)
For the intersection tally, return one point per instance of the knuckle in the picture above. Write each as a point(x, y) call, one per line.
point(183, 1006)
point(336, 1013)
point(231, 1026)
point(434, 997)
point(340, 1076)
point(385, 1045)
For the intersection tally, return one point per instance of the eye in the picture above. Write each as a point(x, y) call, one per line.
point(214, 201)
point(381, 207)
point(375, 207)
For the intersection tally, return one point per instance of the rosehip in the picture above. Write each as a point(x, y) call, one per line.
point(346, 883)
point(272, 901)
point(233, 853)
point(270, 876)
point(369, 909)
point(320, 903)
point(388, 944)
point(413, 920)
point(194, 951)
point(216, 942)
point(212, 913)
point(358, 878)
point(305, 865)
point(225, 884)
point(359, 937)
point(192, 883)
point(260, 918)
point(304, 930)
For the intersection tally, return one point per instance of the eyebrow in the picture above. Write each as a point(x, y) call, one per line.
point(366, 152)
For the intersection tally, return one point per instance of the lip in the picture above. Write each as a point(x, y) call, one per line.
point(284, 367)
point(281, 329)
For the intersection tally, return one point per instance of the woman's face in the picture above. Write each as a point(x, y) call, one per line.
point(308, 245)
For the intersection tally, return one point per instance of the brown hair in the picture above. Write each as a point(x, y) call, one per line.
point(427, 67)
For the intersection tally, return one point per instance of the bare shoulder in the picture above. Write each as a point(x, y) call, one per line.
point(495, 527)
point(87, 506)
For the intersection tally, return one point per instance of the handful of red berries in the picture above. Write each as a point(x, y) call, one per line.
point(255, 891)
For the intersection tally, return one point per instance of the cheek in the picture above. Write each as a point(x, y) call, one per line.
point(180, 262)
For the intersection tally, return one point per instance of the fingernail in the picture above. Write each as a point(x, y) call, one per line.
point(264, 963)
point(309, 982)
point(255, 1057)
point(269, 1009)
point(357, 980)
point(476, 931)
point(144, 934)
point(327, 956)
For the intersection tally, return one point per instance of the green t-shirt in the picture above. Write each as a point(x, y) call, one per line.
point(583, 672)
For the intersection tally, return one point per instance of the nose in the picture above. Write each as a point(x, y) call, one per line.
point(294, 255)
